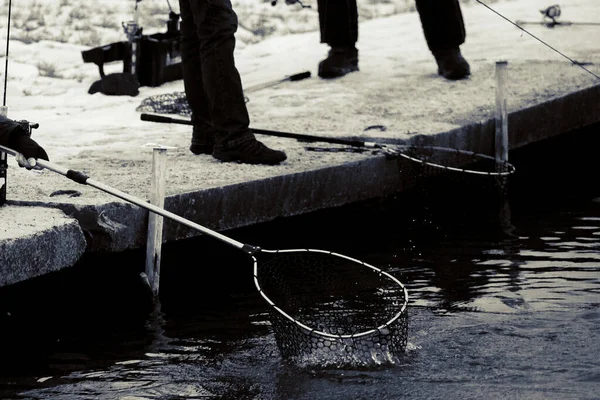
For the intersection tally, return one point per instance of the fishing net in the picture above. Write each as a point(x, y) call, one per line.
point(433, 171)
point(331, 310)
point(426, 161)
point(168, 103)
point(452, 186)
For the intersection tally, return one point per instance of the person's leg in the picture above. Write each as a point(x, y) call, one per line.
point(215, 25)
point(203, 135)
point(444, 31)
point(338, 22)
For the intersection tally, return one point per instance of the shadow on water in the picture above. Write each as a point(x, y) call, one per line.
point(495, 284)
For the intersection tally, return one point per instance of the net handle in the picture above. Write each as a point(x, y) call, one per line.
point(316, 331)
point(83, 179)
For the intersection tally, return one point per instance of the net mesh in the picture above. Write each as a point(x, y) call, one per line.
point(448, 186)
point(339, 310)
point(429, 171)
point(168, 103)
point(424, 161)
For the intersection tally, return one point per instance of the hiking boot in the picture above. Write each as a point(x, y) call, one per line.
point(339, 62)
point(451, 64)
point(203, 140)
point(201, 148)
point(249, 152)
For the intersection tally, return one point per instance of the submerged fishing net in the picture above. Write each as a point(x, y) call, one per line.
point(431, 170)
point(425, 161)
point(452, 185)
point(329, 309)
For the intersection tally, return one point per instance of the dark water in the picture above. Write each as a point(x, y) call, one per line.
point(504, 303)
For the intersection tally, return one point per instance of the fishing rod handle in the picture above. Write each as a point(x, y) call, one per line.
point(161, 118)
point(300, 76)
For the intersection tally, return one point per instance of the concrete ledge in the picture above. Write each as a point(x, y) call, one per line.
point(258, 201)
point(40, 240)
point(397, 88)
point(527, 125)
point(114, 226)
point(117, 226)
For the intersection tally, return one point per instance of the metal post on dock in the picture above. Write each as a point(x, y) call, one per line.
point(3, 164)
point(501, 144)
point(155, 221)
point(501, 147)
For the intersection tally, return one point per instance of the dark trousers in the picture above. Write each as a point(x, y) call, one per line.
point(441, 20)
point(211, 80)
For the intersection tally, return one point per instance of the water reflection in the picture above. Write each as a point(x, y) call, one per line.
point(497, 315)
point(526, 269)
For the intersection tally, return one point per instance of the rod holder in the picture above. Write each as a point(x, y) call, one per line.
point(3, 164)
point(501, 139)
point(155, 221)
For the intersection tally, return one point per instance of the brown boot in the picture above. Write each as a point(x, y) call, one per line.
point(339, 62)
point(451, 64)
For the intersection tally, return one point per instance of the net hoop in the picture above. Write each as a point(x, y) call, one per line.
point(312, 331)
point(401, 150)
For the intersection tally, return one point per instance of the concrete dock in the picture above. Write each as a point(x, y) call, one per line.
point(50, 221)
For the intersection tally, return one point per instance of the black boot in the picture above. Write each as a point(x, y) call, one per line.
point(203, 140)
point(249, 152)
point(451, 64)
point(339, 62)
point(201, 148)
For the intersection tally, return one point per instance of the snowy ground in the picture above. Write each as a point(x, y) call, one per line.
point(397, 87)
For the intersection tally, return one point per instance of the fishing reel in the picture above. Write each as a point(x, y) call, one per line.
point(552, 13)
point(132, 30)
point(290, 2)
point(173, 24)
point(28, 126)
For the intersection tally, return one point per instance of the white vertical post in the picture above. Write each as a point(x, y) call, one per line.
point(501, 143)
point(501, 147)
point(3, 164)
point(155, 221)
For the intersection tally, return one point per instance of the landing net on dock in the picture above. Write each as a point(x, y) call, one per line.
point(167, 103)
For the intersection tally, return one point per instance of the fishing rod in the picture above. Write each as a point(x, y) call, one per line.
point(552, 24)
point(4, 113)
point(574, 62)
point(7, 49)
point(416, 153)
point(26, 125)
point(299, 137)
point(133, 32)
point(552, 13)
point(292, 78)
point(291, 2)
